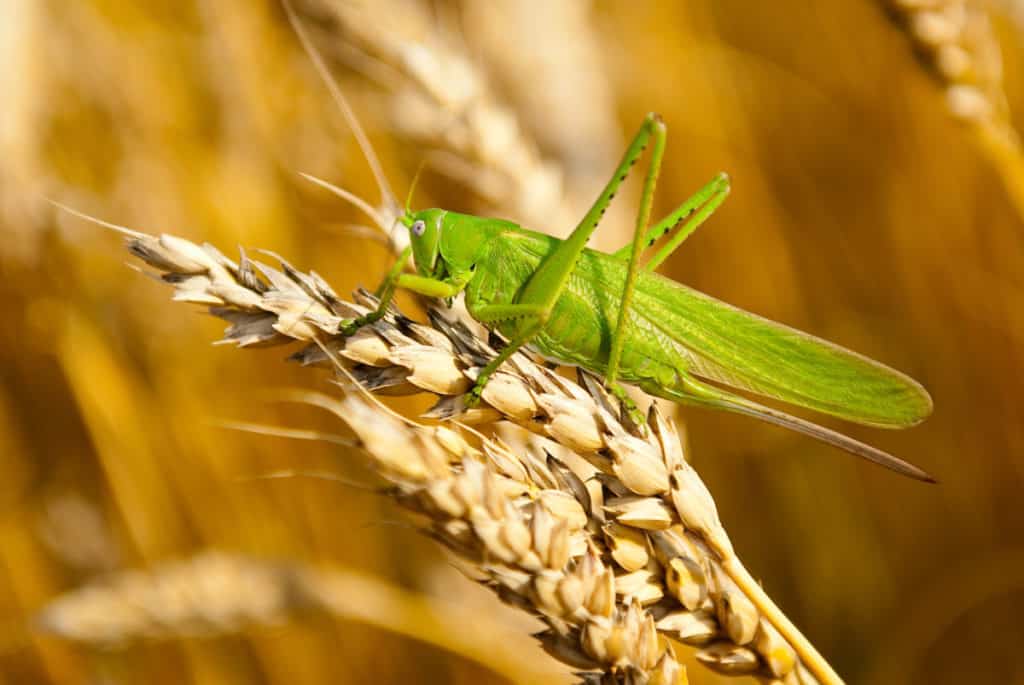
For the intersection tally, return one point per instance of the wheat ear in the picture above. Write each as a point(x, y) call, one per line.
point(611, 542)
point(441, 100)
point(955, 38)
point(215, 592)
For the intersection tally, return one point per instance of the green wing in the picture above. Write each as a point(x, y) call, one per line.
point(746, 351)
point(681, 327)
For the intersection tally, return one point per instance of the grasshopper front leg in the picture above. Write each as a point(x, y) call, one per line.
point(385, 294)
point(429, 287)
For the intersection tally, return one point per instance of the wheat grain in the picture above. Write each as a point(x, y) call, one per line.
point(610, 547)
point(957, 41)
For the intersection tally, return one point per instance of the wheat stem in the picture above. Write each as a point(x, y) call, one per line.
point(808, 653)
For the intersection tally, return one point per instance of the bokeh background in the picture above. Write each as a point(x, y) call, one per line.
point(877, 201)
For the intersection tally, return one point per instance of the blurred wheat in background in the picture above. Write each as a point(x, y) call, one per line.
point(877, 202)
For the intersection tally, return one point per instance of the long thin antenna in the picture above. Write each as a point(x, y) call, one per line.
point(387, 195)
point(412, 186)
point(350, 197)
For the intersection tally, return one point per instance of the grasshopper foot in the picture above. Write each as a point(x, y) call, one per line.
point(473, 397)
point(348, 327)
point(475, 393)
point(629, 406)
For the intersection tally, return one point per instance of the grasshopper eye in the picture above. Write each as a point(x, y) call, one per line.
point(418, 228)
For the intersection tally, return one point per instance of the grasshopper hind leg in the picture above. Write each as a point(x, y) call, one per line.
point(628, 404)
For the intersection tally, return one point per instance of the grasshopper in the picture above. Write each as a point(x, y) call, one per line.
point(616, 317)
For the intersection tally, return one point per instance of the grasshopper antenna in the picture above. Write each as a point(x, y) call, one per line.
point(351, 197)
point(412, 186)
point(387, 195)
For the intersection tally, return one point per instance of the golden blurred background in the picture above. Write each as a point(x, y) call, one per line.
point(877, 201)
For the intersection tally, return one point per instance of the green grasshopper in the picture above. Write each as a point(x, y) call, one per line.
point(610, 315)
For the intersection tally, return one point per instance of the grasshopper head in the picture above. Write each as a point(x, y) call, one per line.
point(425, 234)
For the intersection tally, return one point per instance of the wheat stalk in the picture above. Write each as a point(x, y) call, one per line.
point(611, 542)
